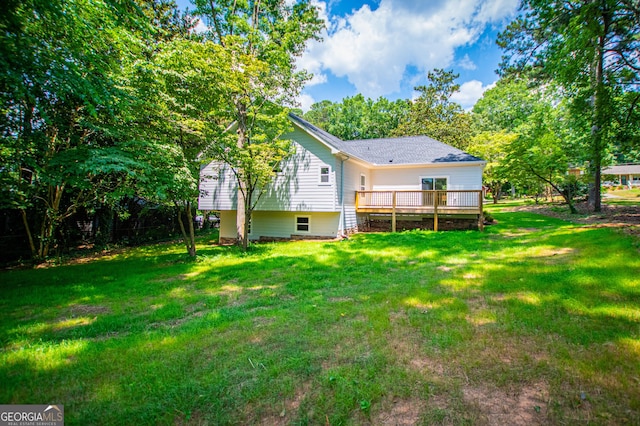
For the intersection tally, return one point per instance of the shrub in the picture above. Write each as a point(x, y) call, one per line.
point(487, 217)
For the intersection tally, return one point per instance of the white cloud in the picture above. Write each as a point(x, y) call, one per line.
point(200, 27)
point(318, 78)
point(311, 63)
point(469, 93)
point(314, 66)
point(496, 10)
point(466, 63)
point(305, 101)
point(373, 48)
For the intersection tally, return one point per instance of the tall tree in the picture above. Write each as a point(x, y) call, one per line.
point(435, 115)
point(544, 149)
point(590, 48)
point(166, 147)
point(505, 107)
point(541, 141)
point(359, 118)
point(262, 39)
point(492, 147)
point(61, 87)
point(166, 20)
point(626, 147)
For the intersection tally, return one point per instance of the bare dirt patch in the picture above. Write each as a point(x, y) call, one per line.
point(479, 312)
point(195, 307)
point(339, 299)
point(445, 268)
point(88, 310)
point(406, 349)
point(190, 419)
point(526, 405)
point(288, 409)
point(262, 321)
point(398, 316)
point(399, 412)
point(427, 365)
point(520, 232)
point(477, 303)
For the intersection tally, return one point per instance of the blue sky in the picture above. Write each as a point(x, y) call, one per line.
point(386, 47)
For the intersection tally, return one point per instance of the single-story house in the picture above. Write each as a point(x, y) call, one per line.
point(330, 187)
point(624, 174)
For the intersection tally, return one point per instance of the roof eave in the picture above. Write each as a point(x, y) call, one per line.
point(317, 137)
point(351, 157)
point(422, 165)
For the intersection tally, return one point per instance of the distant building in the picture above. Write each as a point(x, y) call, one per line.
point(623, 174)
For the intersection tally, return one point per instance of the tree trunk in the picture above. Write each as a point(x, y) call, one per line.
point(242, 204)
point(600, 102)
point(245, 230)
point(496, 192)
point(27, 228)
point(188, 237)
point(50, 220)
point(567, 195)
point(192, 234)
point(241, 220)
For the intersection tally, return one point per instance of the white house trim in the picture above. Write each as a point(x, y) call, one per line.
point(331, 148)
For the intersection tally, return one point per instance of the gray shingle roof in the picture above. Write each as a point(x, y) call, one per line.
point(317, 131)
point(623, 169)
point(405, 150)
point(393, 151)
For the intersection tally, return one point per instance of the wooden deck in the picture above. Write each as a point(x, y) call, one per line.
point(437, 202)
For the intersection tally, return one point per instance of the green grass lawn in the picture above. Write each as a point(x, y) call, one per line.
point(632, 194)
point(534, 321)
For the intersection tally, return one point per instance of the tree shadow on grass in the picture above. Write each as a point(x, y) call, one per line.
point(240, 330)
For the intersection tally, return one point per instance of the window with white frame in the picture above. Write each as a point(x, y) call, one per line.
point(433, 183)
point(428, 183)
point(363, 183)
point(303, 224)
point(325, 175)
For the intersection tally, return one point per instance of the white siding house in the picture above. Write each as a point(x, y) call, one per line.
point(314, 193)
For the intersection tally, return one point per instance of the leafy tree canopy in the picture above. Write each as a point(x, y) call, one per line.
point(359, 118)
point(590, 50)
point(435, 115)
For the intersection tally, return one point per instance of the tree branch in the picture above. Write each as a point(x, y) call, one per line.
point(216, 23)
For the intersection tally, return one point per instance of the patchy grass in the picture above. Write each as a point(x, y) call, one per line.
point(631, 194)
point(534, 321)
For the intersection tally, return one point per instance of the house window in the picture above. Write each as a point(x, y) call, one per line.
point(431, 184)
point(303, 224)
point(363, 183)
point(434, 183)
point(325, 175)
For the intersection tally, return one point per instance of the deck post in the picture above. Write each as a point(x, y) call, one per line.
point(393, 211)
point(436, 195)
point(481, 213)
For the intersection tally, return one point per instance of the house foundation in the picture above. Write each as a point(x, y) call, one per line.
point(382, 224)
